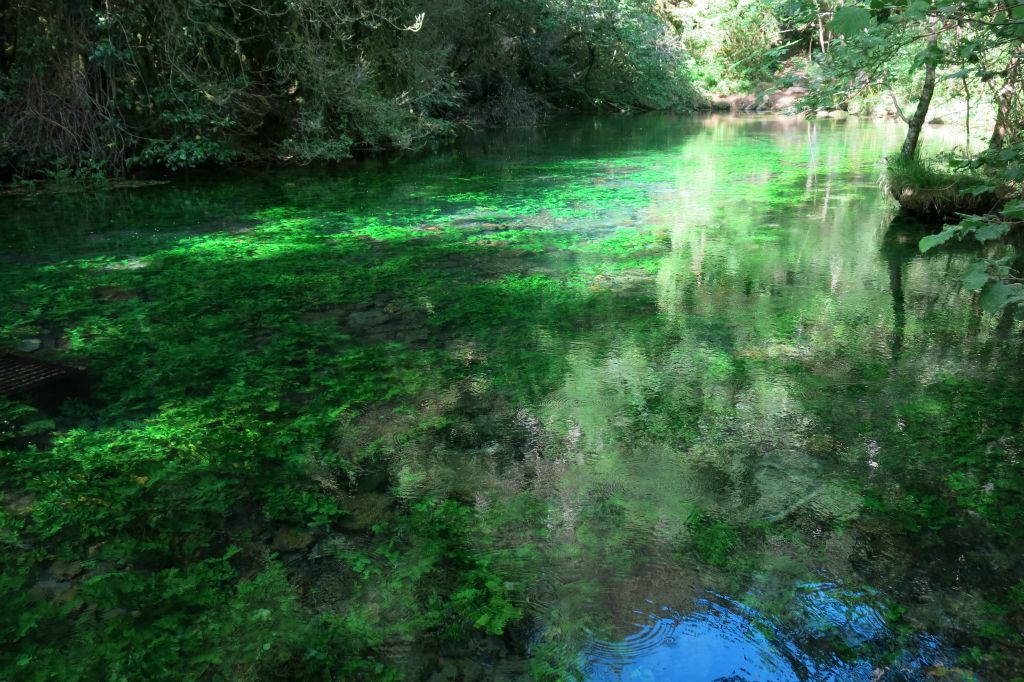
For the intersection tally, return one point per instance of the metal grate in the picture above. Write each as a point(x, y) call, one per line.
point(20, 374)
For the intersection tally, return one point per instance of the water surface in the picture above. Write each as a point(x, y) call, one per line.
point(716, 416)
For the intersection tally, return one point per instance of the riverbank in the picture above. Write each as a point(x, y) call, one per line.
point(791, 100)
point(167, 89)
point(925, 189)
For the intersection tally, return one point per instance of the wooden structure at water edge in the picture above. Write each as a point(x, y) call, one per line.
point(34, 379)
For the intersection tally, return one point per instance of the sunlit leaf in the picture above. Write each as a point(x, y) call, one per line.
point(851, 20)
point(991, 231)
point(976, 276)
point(1014, 209)
point(931, 241)
point(978, 189)
point(997, 295)
point(917, 10)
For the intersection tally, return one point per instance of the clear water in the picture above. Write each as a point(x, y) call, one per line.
point(720, 419)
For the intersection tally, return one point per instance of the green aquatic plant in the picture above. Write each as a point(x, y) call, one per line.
point(346, 432)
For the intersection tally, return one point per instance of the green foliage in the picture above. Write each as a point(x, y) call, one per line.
point(851, 20)
point(136, 83)
point(200, 622)
point(715, 542)
point(229, 389)
point(875, 63)
point(480, 597)
point(994, 173)
point(735, 45)
point(932, 174)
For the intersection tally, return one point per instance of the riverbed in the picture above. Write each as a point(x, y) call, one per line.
point(697, 405)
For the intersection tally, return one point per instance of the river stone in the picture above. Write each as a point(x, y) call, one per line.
point(29, 345)
point(367, 319)
point(19, 505)
point(116, 612)
point(333, 313)
point(114, 294)
point(790, 480)
point(364, 510)
point(449, 671)
point(55, 590)
point(472, 671)
point(129, 264)
point(65, 570)
point(291, 540)
point(416, 335)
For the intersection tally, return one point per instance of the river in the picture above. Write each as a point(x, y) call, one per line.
point(709, 411)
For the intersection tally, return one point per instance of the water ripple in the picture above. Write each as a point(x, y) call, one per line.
point(721, 639)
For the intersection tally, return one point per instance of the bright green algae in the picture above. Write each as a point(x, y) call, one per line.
point(492, 413)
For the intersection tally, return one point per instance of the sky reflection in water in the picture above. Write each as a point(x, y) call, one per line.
point(722, 640)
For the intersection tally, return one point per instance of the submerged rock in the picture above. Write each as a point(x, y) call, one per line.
point(129, 264)
point(291, 540)
point(367, 319)
point(66, 570)
point(54, 590)
point(114, 294)
point(19, 504)
point(29, 345)
point(365, 510)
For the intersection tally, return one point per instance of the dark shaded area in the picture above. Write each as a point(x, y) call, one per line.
point(39, 381)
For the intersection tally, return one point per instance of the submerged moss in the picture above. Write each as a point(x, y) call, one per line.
point(362, 428)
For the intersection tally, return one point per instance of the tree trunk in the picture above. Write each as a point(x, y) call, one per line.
point(1004, 100)
point(916, 122)
point(6, 40)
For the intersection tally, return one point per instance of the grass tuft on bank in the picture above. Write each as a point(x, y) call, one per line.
point(926, 189)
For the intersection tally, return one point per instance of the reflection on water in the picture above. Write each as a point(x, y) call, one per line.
point(721, 639)
point(717, 416)
point(710, 643)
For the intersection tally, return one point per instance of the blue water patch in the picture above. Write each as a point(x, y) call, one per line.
point(720, 639)
point(829, 611)
point(710, 644)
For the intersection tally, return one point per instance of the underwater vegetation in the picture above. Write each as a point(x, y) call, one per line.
point(658, 398)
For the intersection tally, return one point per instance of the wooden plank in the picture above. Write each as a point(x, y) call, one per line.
point(21, 374)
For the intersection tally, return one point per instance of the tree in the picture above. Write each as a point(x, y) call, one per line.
point(1004, 100)
point(118, 84)
point(916, 122)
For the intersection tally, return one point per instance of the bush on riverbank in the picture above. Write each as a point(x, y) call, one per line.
point(123, 84)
